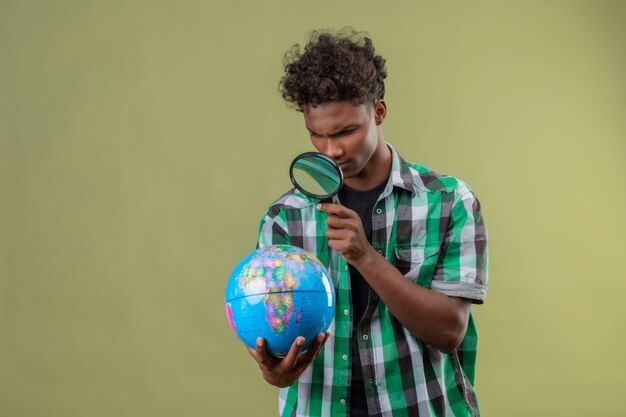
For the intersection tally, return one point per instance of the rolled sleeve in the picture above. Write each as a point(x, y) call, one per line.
point(463, 263)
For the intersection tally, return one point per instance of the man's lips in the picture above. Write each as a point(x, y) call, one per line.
point(342, 164)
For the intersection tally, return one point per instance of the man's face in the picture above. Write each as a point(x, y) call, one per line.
point(346, 132)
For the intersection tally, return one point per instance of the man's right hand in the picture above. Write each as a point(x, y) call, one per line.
point(282, 372)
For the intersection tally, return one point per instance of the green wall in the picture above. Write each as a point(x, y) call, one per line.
point(140, 142)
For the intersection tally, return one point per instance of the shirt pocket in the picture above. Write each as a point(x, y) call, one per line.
point(416, 262)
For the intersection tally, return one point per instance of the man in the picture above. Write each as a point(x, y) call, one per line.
point(406, 249)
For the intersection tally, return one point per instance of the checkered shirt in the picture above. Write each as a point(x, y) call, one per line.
point(430, 227)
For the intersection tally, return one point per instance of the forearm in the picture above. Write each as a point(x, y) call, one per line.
point(433, 317)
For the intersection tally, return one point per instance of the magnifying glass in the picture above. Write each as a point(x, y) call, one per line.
point(316, 175)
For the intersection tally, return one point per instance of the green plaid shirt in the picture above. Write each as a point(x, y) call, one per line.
point(431, 228)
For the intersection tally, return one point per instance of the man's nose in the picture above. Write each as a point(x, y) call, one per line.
point(333, 149)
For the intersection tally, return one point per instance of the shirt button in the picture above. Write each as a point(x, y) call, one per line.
point(365, 337)
point(344, 357)
point(371, 381)
point(379, 210)
point(342, 401)
point(380, 251)
point(345, 267)
point(374, 297)
point(346, 312)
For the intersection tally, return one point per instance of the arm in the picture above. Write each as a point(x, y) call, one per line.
point(407, 301)
point(410, 303)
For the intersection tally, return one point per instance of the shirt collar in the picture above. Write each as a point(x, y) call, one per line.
point(402, 175)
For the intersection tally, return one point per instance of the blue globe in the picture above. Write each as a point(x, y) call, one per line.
point(279, 292)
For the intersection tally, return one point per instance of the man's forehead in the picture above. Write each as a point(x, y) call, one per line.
point(333, 114)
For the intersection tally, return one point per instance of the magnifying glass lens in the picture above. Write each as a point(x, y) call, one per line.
point(316, 175)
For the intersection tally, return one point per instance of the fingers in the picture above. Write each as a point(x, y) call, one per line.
point(290, 360)
point(340, 234)
point(253, 353)
point(293, 358)
point(340, 217)
point(315, 348)
point(336, 209)
point(341, 223)
point(261, 355)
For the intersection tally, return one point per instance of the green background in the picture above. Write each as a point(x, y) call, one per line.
point(140, 142)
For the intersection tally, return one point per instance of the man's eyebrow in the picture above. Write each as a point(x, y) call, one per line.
point(338, 132)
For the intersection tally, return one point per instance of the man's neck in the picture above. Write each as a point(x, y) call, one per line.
point(375, 172)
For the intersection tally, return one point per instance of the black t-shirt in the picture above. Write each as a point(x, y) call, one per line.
point(362, 202)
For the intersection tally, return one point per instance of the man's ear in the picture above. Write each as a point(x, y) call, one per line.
point(380, 111)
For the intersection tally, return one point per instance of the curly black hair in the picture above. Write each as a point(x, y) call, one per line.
point(341, 66)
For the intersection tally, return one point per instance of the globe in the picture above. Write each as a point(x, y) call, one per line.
point(279, 292)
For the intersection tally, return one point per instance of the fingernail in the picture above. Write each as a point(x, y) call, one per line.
point(259, 342)
point(320, 337)
point(299, 342)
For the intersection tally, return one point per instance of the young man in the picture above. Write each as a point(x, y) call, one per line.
point(405, 247)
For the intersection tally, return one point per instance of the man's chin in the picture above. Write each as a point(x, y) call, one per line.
point(349, 170)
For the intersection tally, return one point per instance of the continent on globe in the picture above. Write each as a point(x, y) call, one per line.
point(279, 309)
